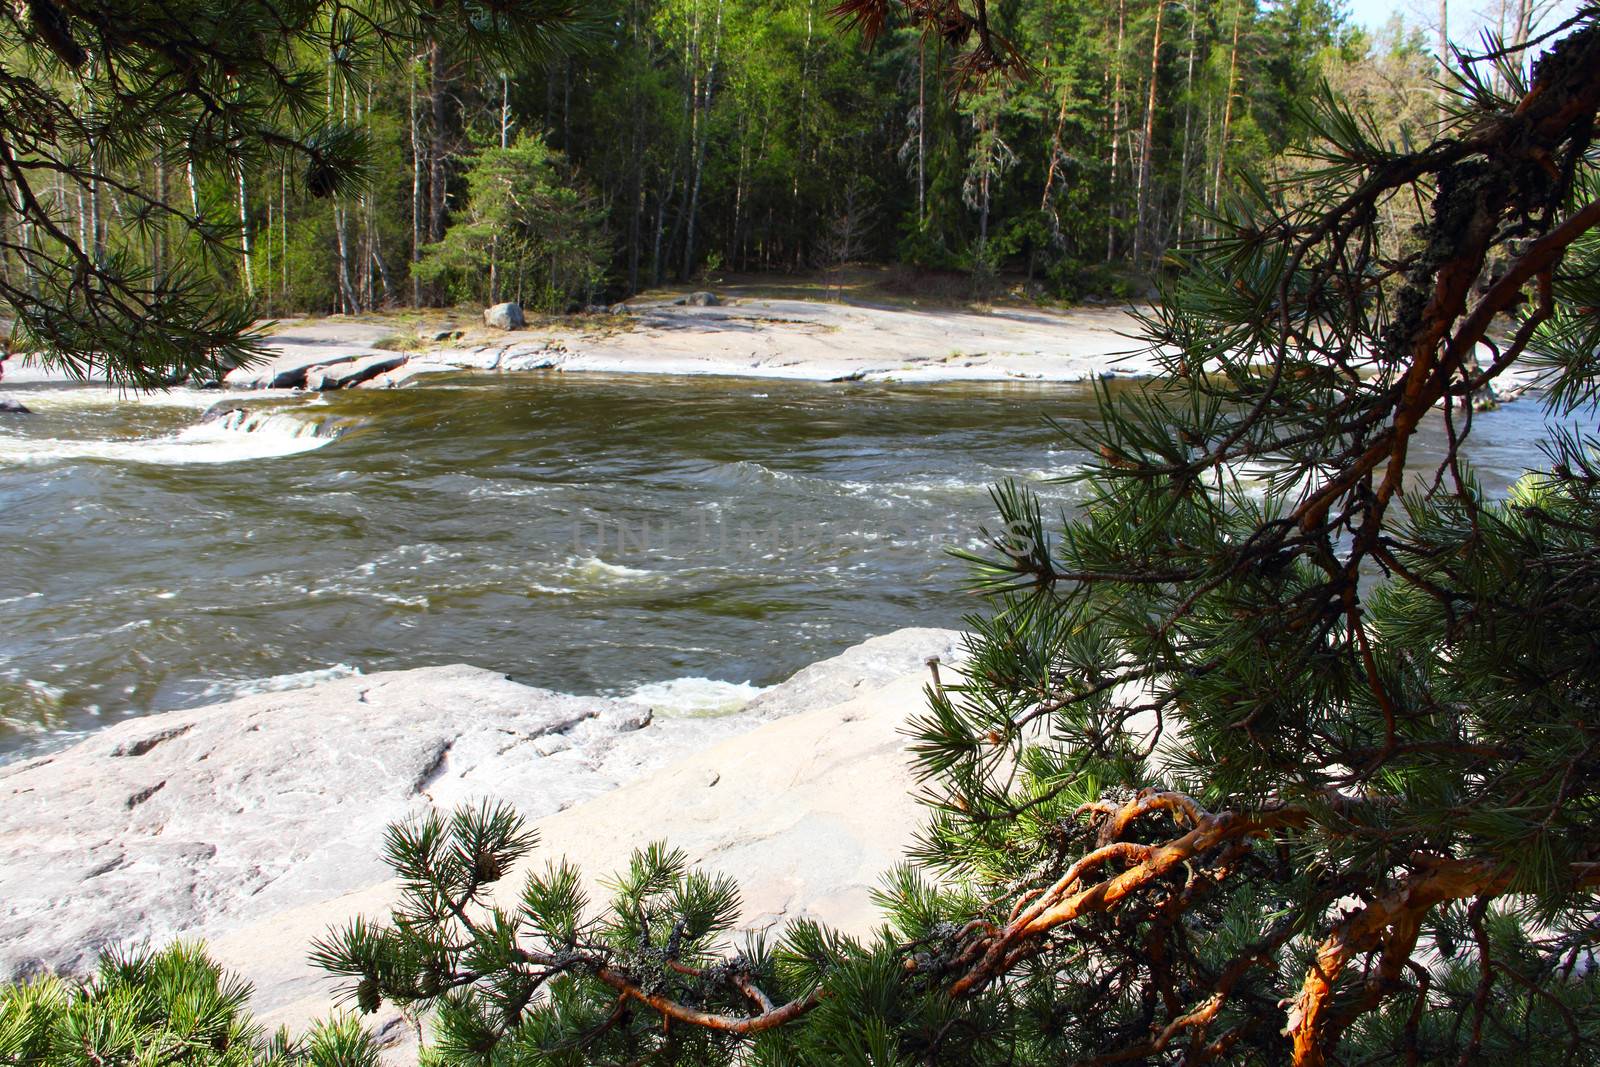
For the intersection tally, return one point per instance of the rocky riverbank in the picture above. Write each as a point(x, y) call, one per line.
point(739, 336)
point(257, 823)
point(746, 337)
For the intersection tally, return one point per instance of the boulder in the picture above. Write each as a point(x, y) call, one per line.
point(507, 316)
point(13, 407)
point(703, 299)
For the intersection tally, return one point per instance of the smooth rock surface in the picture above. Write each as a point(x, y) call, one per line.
point(351, 373)
point(199, 821)
point(290, 372)
point(751, 335)
point(507, 316)
point(859, 669)
point(166, 823)
point(293, 350)
point(806, 813)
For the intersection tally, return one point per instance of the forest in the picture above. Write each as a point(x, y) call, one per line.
point(1273, 738)
point(682, 138)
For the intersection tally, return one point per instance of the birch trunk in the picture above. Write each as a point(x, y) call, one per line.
point(438, 146)
point(1116, 130)
point(244, 237)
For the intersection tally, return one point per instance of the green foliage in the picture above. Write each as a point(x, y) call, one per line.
point(539, 979)
point(107, 110)
point(1278, 749)
point(691, 131)
point(525, 235)
point(173, 1008)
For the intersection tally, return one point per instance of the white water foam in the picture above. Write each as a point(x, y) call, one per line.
point(29, 705)
point(506, 489)
point(694, 696)
point(242, 435)
point(594, 568)
point(913, 489)
point(219, 691)
point(81, 397)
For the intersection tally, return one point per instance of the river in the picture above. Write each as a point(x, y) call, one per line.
point(685, 541)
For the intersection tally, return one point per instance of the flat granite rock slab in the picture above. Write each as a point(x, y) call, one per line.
point(198, 821)
point(806, 813)
point(160, 824)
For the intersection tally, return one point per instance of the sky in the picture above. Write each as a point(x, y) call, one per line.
point(1466, 16)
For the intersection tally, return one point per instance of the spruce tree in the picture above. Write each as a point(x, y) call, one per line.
point(1278, 749)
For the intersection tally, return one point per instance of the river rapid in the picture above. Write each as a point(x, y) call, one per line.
point(683, 541)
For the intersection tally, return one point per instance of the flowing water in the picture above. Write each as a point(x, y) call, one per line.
point(682, 540)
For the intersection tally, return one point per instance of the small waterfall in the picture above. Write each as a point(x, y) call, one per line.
point(227, 433)
point(277, 421)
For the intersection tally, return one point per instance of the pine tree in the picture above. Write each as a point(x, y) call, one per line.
point(197, 88)
point(173, 1008)
point(1279, 750)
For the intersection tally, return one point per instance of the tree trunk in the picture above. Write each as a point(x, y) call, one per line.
point(7, 238)
point(636, 157)
point(348, 301)
point(738, 192)
point(505, 111)
point(922, 130)
point(283, 227)
point(700, 150)
point(801, 126)
point(1141, 226)
point(383, 267)
point(439, 146)
point(1227, 110)
point(244, 236)
point(1175, 233)
point(1116, 126)
point(1055, 155)
point(162, 262)
point(416, 187)
point(691, 113)
point(658, 264)
point(1444, 55)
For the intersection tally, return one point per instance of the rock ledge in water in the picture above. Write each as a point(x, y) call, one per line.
point(351, 373)
point(13, 407)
